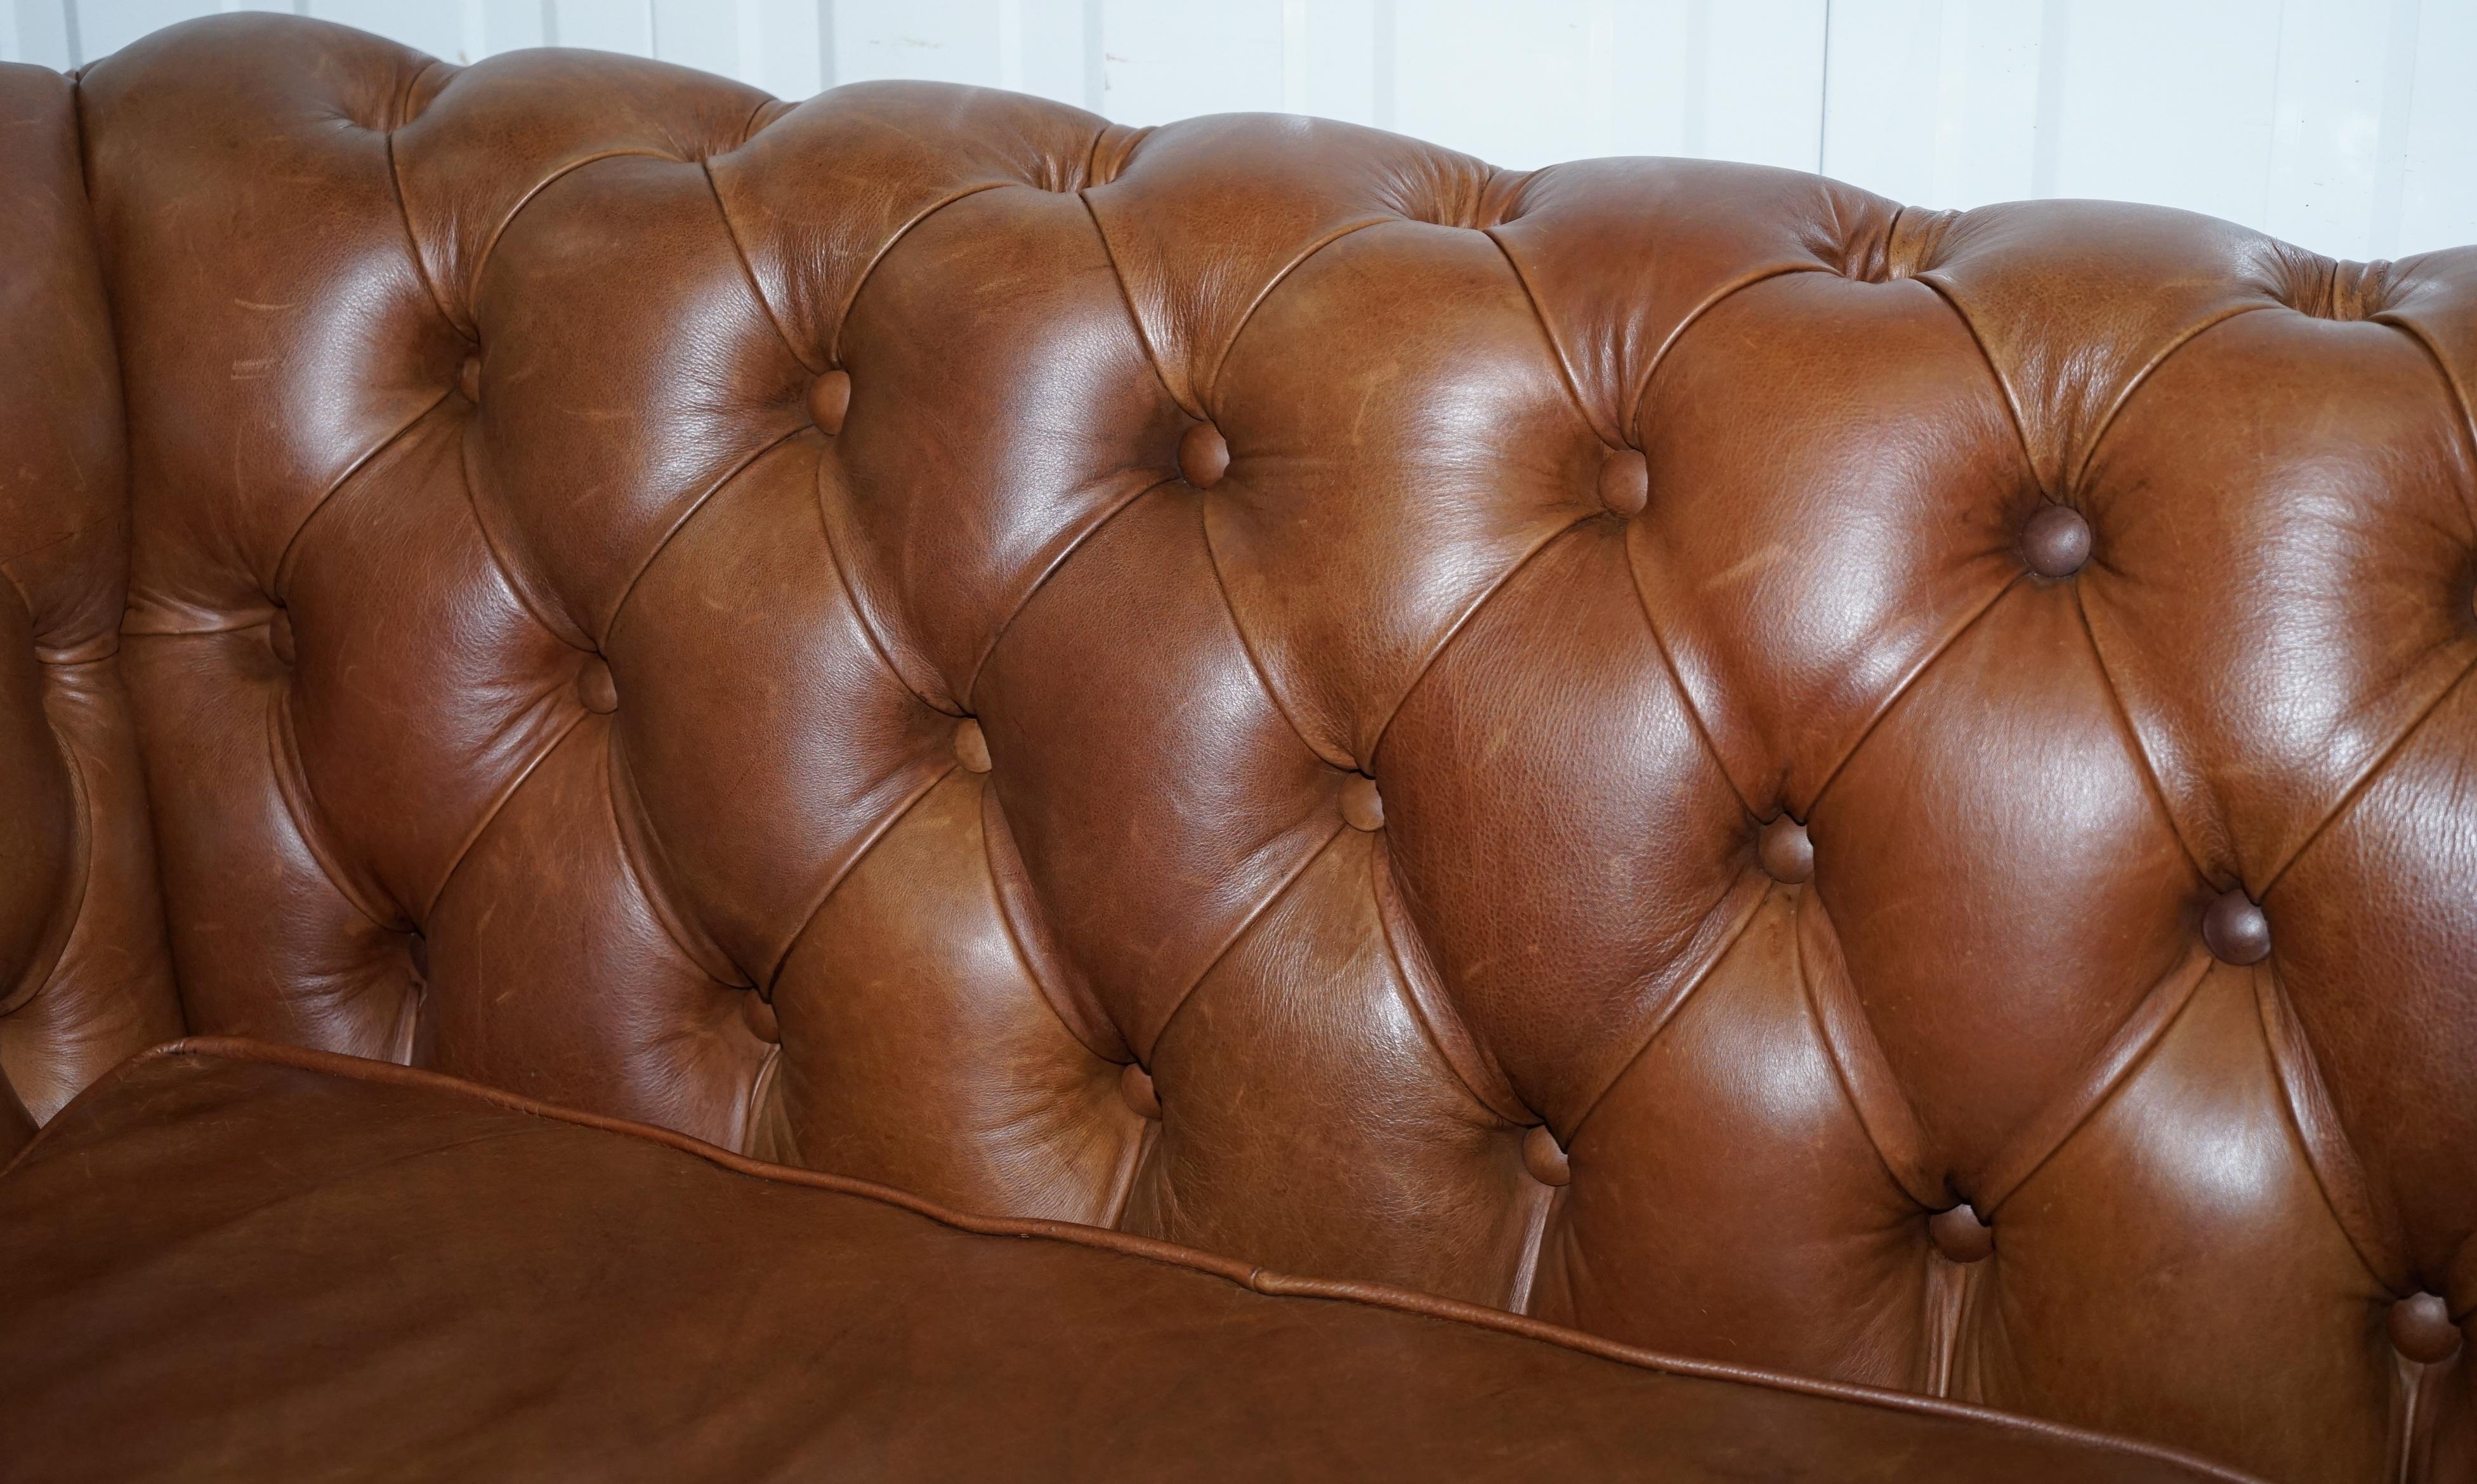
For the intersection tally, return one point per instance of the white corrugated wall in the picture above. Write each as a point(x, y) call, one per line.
point(2349, 126)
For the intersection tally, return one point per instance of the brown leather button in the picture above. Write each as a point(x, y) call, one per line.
point(1787, 855)
point(830, 401)
point(1625, 482)
point(1136, 1086)
point(1362, 806)
point(2422, 1330)
point(1544, 1157)
point(971, 748)
point(761, 1016)
point(468, 378)
point(2236, 930)
point(279, 635)
point(2056, 541)
point(1203, 455)
point(1960, 1236)
point(595, 688)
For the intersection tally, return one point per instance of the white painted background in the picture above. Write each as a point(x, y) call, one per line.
point(2349, 126)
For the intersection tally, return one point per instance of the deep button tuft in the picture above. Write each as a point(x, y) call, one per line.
point(971, 746)
point(279, 635)
point(1960, 1236)
point(595, 688)
point(2236, 930)
point(1136, 1086)
point(2056, 541)
point(1544, 1157)
point(1362, 806)
point(1203, 455)
point(830, 401)
point(468, 378)
point(2421, 1328)
point(1787, 854)
point(1625, 482)
point(760, 1018)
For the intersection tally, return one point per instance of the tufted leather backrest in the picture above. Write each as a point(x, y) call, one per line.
point(84, 980)
point(1670, 745)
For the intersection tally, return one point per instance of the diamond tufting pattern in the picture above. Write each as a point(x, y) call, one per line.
point(1671, 746)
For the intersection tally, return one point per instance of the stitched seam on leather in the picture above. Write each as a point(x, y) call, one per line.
point(749, 461)
point(842, 874)
point(2451, 381)
point(499, 802)
point(2122, 1078)
point(280, 577)
point(1669, 1012)
point(760, 1088)
point(1280, 889)
point(1677, 677)
point(1142, 1248)
point(860, 616)
point(521, 592)
point(411, 239)
point(1461, 621)
point(490, 244)
point(2107, 421)
point(2366, 780)
point(2004, 387)
point(2141, 748)
point(2111, 1068)
point(842, 314)
point(1904, 686)
point(1380, 860)
point(1122, 1182)
point(2382, 1257)
point(749, 128)
point(301, 808)
point(748, 269)
point(1057, 564)
point(1556, 344)
point(1633, 410)
point(1247, 647)
point(1204, 395)
point(1049, 996)
point(1908, 1176)
point(656, 906)
point(1525, 1283)
point(1135, 317)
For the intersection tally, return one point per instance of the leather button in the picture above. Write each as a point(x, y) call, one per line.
point(971, 748)
point(1203, 455)
point(2056, 541)
point(760, 1018)
point(279, 635)
point(1787, 855)
point(2422, 1330)
point(1960, 1236)
point(2236, 930)
point(1625, 482)
point(1544, 1157)
point(830, 401)
point(468, 378)
point(595, 688)
point(1136, 1086)
point(1362, 806)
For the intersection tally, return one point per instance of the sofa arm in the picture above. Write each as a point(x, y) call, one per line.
point(85, 977)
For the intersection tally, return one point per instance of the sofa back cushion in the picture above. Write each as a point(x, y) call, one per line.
point(1670, 745)
point(85, 979)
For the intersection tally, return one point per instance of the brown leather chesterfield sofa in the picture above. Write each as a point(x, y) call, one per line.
point(919, 787)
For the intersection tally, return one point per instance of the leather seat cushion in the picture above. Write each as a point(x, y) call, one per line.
point(235, 1261)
